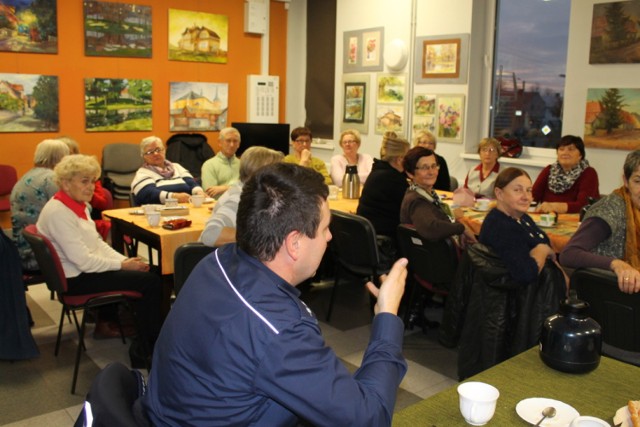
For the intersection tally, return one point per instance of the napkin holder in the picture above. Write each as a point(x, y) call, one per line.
point(174, 211)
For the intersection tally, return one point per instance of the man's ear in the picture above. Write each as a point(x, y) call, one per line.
point(292, 244)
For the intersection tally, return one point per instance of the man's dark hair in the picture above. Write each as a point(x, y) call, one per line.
point(275, 201)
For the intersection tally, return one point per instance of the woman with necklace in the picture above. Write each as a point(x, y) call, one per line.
point(350, 143)
point(511, 233)
point(421, 205)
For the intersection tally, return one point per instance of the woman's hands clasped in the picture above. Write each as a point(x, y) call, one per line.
point(134, 264)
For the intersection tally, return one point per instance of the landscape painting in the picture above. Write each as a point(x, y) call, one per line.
point(29, 103)
point(391, 88)
point(612, 118)
point(198, 106)
point(117, 29)
point(117, 105)
point(198, 36)
point(389, 118)
point(354, 102)
point(28, 26)
point(614, 33)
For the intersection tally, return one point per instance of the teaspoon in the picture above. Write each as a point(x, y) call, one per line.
point(548, 412)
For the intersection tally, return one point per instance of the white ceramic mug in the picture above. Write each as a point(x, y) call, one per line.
point(483, 204)
point(477, 402)
point(153, 219)
point(546, 220)
point(587, 421)
point(170, 202)
point(197, 200)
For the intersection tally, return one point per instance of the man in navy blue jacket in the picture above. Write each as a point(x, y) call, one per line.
point(240, 348)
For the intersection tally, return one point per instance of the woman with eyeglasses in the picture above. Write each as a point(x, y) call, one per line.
point(159, 179)
point(301, 141)
point(350, 143)
point(480, 179)
point(421, 205)
point(426, 139)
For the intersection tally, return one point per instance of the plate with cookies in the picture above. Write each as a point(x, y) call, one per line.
point(629, 415)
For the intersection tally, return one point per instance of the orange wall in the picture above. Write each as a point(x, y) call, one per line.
point(72, 67)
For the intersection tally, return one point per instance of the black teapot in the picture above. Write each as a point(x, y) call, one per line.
point(571, 341)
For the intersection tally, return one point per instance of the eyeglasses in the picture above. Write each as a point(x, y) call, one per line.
point(434, 167)
point(154, 151)
point(303, 141)
point(488, 149)
point(349, 141)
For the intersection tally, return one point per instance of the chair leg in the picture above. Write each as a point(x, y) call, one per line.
point(78, 351)
point(75, 318)
point(55, 353)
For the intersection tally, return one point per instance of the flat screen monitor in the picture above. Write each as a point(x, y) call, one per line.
point(271, 135)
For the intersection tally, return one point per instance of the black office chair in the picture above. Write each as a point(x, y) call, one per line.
point(185, 259)
point(354, 248)
point(432, 267)
point(113, 399)
point(51, 268)
point(617, 313)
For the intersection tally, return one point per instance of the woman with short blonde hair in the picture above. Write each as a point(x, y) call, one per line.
point(480, 179)
point(350, 143)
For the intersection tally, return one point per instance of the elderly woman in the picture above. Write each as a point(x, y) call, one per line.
point(221, 225)
point(301, 139)
point(158, 179)
point(511, 233)
point(426, 139)
point(608, 235)
point(30, 194)
point(350, 143)
point(421, 205)
point(566, 185)
point(384, 190)
point(90, 264)
point(480, 179)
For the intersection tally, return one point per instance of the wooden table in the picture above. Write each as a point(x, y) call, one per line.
point(599, 393)
point(164, 241)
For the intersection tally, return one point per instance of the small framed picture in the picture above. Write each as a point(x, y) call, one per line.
point(354, 102)
point(442, 59)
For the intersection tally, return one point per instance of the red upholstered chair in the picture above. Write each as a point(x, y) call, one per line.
point(51, 269)
point(8, 178)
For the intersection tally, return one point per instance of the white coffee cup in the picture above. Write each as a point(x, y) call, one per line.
point(333, 192)
point(477, 402)
point(197, 200)
point(546, 220)
point(170, 202)
point(483, 204)
point(153, 219)
point(587, 421)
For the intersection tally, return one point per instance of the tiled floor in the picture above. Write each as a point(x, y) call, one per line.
point(36, 392)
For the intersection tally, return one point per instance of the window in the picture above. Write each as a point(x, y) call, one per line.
point(530, 54)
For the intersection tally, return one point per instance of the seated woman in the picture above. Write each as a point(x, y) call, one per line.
point(158, 179)
point(30, 194)
point(301, 140)
point(350, 143)
point(90, 264)
point(426, 139)
point(481, 178)
point(608, 235)
point(421, 206)
point(566, 185)
point(511, 233)
point(221, 225)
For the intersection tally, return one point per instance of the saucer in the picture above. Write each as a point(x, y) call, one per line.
point(623, 417)
point(530, 410)
point(477, 209)
point(541, 225)
point(208, 200)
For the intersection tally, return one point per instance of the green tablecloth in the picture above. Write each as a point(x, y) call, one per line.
point(598, 393)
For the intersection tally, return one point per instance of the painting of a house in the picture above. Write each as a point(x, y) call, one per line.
point(615, 35)
point(29, 103)
point(198, 36)
point(612, 118)
point(197, 106)
point(29, 26)
point(117, 29)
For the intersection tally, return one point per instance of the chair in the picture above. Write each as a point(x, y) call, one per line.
point(354, 249)
point(617, 313)
point(190, 150)
point(120, 161)
point(453, 182)
point(432, 267)
point(8, 178)
point(51, 268)
point(111, 401)
point(185, 259)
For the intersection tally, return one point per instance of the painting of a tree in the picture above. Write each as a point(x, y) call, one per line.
point(45, 97)
point(614, 33)
point(612, 103)
point(28, 103)
point(612, 118)
point(117, 105)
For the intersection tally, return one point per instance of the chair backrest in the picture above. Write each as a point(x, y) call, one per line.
point(185, 259)
point(354, 243)
point(618, 313)
point(47, 258)
point(8, 178)
point(190, 150)
point(453, 182)
point(112, 396)
point(434, 262)
point(120, 162)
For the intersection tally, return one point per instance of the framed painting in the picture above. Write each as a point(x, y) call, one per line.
point(117, 105)
point(198, 106)
point(356, 101)
point(352, 61)
point(611, 119)
point(363, 50)
point(424, 113)
point(29, 26)
point(442, 59)
point(450, 117)
point(29, 103)
point(391, 88)
point(389, 117)
point(614, 32)
point(117, 29)
point(198, 36)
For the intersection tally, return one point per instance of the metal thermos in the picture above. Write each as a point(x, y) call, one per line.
point(351, 183)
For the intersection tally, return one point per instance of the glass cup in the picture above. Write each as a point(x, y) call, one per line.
point(171, 202)
point(149, 209)
point(153, 219)
point(477, 402)
point(197, 200)
point(333, 192)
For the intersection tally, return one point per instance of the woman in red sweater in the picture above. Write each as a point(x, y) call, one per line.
point(566, 185)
